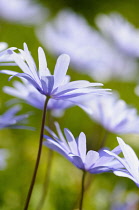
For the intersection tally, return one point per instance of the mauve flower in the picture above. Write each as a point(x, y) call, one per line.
point(90, 51)
point(114, 114)
point(10, 119)
point(130, 162)
point(3, 156)
point(122, 33)
point(56, 86)
point(22, 11)
point(75, 151)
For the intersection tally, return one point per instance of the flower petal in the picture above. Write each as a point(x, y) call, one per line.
point(43, 70)
point(82, 146)
point(77, 161)
point(91, 158)
point(60, 134)
point(29, 79)
point(61, 69)
point(9, 72)
point(130, 158)
point(71, 141)
point(50, 143)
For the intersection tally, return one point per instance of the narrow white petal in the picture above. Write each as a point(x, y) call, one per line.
point(130, 157)
point(9, 72)
point(122, 161)
point(61, 69)
point(82, 146)
point(60, 134)
point(43, 70)
point(71, 141)
point(13, 92)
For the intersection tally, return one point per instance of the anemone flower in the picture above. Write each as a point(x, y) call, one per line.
point(28, 93)
point(56, 86)
point(130, 162)
point(114, 114)
point(22, 11)
point(75, 151)
point(122, 33)
point(90, 51)
point(10, 119)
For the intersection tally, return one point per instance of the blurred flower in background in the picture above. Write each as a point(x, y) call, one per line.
point(4, 56)
point(120, 32)
point(4, 154)
point(28, 93)
point(113, 114)
point(91, 53)
point(10, 119)
point(122, 199)
point(22, 11)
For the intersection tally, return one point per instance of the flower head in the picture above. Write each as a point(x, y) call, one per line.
point(56, 86)
point(28, 93)
point(130, 162)
point(91, 53)
point(10, 119)
point(114, 114)
point(122, 33)
point(75, 151)
point(22, 11)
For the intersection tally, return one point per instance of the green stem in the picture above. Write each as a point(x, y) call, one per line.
point(50, 122)
point(46, 180)
point(89, 179)
point(82, 191)
point(38, 155)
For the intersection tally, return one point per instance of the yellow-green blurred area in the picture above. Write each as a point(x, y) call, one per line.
point(65, 179)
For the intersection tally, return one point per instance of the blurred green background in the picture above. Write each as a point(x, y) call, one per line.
point(64, 188)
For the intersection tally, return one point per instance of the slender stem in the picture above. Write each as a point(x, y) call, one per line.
point(46, 180)
point(89, 179)
point(82, 191)
point(50, 123)
point(38, 155)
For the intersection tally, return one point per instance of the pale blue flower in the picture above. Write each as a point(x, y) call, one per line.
point(90, 51)
point(130, 162)
point(22, 11)
point(56, 86)
point(75, 151)
point(114, 114)
point(28, 93)
point(122, 33)
point(10, 119)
